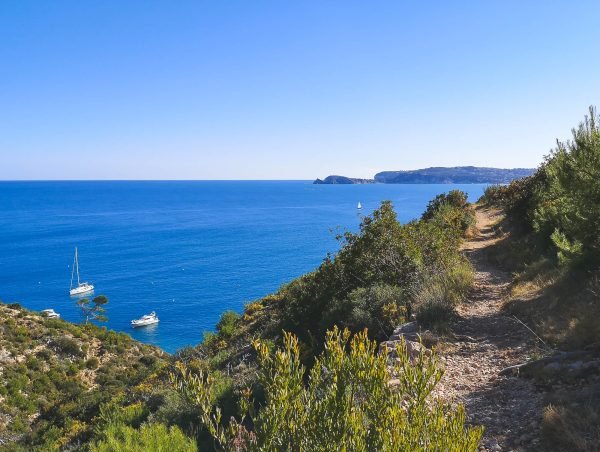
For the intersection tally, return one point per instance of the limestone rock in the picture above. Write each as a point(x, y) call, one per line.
point(413, 348)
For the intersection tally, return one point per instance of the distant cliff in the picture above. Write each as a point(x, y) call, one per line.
point(438, 175)
point(454, 175)
point(343, 180)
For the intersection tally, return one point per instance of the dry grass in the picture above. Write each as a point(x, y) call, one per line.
point(563, 307)
point(558, 305)
point(535, 278)
point(435, 301)
point(571, 421)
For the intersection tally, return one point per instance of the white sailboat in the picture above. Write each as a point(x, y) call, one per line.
point(81, 287)
point(359, 205)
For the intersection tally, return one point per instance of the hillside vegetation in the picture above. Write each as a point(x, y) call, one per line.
point(453, 175)
point(552, 246)
point(56, 376)
point(381, 275)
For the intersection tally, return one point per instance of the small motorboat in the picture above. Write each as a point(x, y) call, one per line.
point(148, 319)
point(51, 314)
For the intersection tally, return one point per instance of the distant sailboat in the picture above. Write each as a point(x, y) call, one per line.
point(359, 205)
point(81, 287)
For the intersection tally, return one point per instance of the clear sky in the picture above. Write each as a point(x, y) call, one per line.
point(288, 90)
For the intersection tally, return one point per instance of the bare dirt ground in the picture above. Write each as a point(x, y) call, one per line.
point(484, 341)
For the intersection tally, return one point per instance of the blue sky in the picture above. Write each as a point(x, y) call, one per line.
point(288, 90)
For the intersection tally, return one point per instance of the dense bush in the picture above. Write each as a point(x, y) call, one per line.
point(227, 324)
point(454, 198)
point(377, 272)
point(149, 438)
point(379, 308)
point(561, 202)
point(434, 303)
point(347, 404)
point(569, 206)
point(452, 209)
point(518, 199)
point(68, 346)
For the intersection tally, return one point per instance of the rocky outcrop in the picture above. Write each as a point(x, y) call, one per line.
point(561, 365)
point(407, 334)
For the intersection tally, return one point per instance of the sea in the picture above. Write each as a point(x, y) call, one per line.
point(188, 250)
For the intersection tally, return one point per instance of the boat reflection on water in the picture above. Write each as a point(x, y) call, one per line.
point(147, 334)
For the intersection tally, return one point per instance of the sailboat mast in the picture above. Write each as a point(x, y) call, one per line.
point(77, 265)
point(73, 268)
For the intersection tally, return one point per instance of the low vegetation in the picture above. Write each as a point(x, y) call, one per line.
point(553, 247)
point(348, 402)
point(56, 376)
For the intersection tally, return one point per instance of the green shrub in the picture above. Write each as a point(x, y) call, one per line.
point(148, 360)
point(92, 363)
point(493, 195)
point(113, 413)
point(379, 308)
point(68, 346)
point(454, 198)
point(227, 324)
point(436, 314)
point(347, 402)
point(384, 252)
point(149, 438)
point(451, 211)
point(570, 203)
point(436, 298)
point(560, 203)
point(170, 408)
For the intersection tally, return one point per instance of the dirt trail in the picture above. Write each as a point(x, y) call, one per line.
point(486, 340)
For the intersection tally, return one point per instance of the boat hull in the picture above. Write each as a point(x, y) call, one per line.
point(140, 324)
point(87, 288)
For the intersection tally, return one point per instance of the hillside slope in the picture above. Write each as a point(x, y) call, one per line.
point(55, 375)
point(453, 175)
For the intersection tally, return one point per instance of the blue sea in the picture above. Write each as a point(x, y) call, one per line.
point(188, 250)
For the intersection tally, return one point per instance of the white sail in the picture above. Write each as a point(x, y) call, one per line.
point(359, 205)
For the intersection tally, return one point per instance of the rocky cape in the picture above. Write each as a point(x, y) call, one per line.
point(331, 180)
point(438, 175)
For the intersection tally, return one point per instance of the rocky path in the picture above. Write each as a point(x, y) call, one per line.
point(483, 342)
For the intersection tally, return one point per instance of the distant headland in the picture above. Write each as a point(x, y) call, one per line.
point(343, 180)
point(438, 175)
